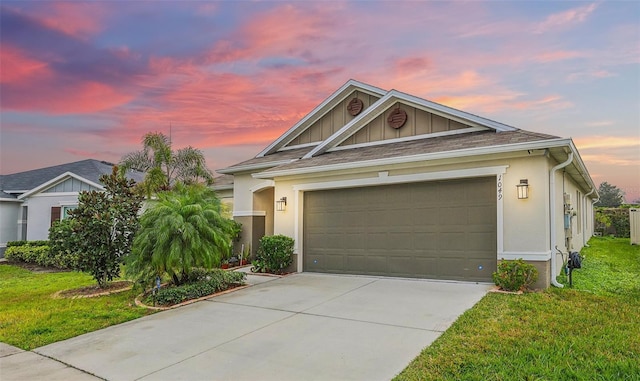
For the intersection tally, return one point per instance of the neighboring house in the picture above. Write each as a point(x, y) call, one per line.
point(384, 183)
point(223, 185)
point(30, 201)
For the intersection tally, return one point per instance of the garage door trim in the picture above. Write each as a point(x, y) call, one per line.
point(384, 179)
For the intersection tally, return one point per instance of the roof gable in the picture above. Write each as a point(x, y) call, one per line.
point(59, 180)
point(313, 124)
point(436, 120)
point(90, 170)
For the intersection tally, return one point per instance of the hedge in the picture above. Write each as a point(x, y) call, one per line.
point(30, 243)
point(203, 284)
point(613, 221)
point(40, 255)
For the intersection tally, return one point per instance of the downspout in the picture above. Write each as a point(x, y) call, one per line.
point(584, 224)
point(552, 220)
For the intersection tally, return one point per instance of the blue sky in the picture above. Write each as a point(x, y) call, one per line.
point(88, 79)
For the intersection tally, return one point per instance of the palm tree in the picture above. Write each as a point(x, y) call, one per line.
point(164, 167)
point(182, 230)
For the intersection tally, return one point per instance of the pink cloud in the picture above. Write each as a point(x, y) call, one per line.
point(73, 18)
point(501, 101)
point(17, 67)
point(216, 109)
point(567, 18)
point(589, 74)
point(608, 142)
point(558, 55)
point(285, 30)
point(76, 98)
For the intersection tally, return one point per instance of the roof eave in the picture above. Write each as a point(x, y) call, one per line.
point(420, 157)
point(253, 167)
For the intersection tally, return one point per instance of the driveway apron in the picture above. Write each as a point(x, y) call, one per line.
point(303, 326)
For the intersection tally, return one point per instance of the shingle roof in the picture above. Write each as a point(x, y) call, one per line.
point(223, 182)
point(7, 195)
point(273, 159)
point(415, 147)
point(89, 169)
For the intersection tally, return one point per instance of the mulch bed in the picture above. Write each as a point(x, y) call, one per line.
point(34, 268)
point(95, 290)
point(139, 299)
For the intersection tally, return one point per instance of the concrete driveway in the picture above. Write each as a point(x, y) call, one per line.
point(301, 327)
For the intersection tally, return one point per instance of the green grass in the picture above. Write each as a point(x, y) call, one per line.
point(611, 267)
point(30, 317)
point(590, 332)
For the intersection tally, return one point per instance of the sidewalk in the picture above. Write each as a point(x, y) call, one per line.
point(19, 365)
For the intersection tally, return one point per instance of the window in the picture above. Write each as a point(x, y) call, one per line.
point(61, 212)
point(66, 209)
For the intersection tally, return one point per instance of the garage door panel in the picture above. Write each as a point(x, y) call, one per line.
point(453, 241)
point(401, 264)
point(443, 230)
point(334, 262)
point(479, 214)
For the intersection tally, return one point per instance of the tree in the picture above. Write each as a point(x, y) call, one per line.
point(106, 223)
point(610, 195)
point(182, 230)
point(164, 167)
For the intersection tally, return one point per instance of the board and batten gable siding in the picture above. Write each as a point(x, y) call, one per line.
point(332, 121)
point(419, 122)
point(70, 185)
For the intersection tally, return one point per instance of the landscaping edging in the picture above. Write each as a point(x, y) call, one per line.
point(139, 303)
point(501, 291)
point(58, 294)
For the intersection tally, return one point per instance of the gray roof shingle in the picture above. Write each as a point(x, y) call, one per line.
point(267, 160)
point(89, 169)
point(415, 147)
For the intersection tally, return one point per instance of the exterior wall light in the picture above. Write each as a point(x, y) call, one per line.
point(523, 189)
point(281, 205)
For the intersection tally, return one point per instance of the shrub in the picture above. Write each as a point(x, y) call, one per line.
point(274, 255)
point(40, 255)
point(183, 230)
point(106, 224)
point(613, 221)
point(64, 242)
point(202, 283)
point(515, 275)
point(30, 243)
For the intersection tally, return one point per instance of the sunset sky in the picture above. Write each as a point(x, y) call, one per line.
point(88, 80)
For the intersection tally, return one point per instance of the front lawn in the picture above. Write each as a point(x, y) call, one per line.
point(589, 332)
point(30, 317)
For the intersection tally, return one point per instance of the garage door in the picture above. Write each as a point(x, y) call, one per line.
point(438, 230)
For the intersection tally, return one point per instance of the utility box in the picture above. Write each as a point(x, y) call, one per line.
point(634, 224)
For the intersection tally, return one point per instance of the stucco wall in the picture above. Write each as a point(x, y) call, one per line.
point(581, 220)
point(9, 210)
point(525, 223)
point(526, 231)
point(40, 213)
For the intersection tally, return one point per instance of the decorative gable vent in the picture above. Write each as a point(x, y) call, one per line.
point(355, 106)
point(397, 118)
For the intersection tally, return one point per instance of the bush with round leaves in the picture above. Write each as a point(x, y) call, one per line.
point(274, 255)
point(515, 275)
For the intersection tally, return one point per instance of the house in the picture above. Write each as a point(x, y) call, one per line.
point(384, 183)
point(30, 201)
